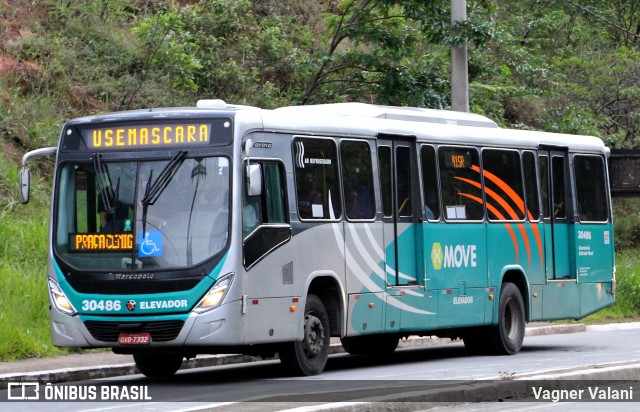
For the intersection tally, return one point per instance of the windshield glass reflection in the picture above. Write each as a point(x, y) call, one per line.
point(101, 224)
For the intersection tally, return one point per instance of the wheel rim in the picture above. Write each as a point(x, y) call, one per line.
point(313, 342)
point(511, 320)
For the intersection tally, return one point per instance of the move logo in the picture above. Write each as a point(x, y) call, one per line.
point(453, 256)
point(436, 256)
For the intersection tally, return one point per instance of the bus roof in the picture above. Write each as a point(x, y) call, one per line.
point(366, 120)
point(413, 114)
point(437, 126)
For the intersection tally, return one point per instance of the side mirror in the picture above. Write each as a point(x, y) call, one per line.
point(24, 183)
point(254, 180)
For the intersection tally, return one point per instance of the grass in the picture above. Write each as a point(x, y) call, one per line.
point(627, 306)
point(23, 269)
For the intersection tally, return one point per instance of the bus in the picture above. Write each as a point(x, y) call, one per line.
point(224, 228)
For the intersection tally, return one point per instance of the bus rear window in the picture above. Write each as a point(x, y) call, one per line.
point(591, 189)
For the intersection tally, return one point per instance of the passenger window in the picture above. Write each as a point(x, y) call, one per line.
point(557, 173)
point(265, 224)
point(543, 163)
point(503, 184)
point(403, 169)
point(460, 183)
point(591, 189)
point(384, 166)
point(531, 186)
point(430, 183)
point(357, 174)
point(316, 175)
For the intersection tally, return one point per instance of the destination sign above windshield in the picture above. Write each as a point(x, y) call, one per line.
point(148, 136)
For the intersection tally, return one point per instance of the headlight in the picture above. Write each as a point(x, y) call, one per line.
point(214, 296)
point(60, 300)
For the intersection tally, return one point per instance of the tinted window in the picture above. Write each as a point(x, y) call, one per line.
point(557, 173)
point(430, 183)
point(460, 183)
point(503, 184)
point(268, 208)
point(531, 185)
point(543, 162)
point(357, 178)
point(384, 158)
point(316, 175)
point(591, 189)
point(264, 217)
point(403, 168)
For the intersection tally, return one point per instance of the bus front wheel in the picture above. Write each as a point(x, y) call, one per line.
point(157, 366)
point(309, 356)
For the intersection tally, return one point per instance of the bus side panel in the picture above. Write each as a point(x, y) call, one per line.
point(365, 277)
point(595, 296)
point(271, 319)
point(365, 313)
point(594, 253)
point(314, 250)
point(457, 271)
point(561, 300)
point(364, 257)
point(594, 264)
point(536, 299)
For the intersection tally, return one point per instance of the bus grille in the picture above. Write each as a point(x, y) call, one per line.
point(160, 331)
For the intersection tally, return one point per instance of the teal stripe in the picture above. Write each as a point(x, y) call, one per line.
point(145, 304)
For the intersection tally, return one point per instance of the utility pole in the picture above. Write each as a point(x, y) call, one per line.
point(459, 70)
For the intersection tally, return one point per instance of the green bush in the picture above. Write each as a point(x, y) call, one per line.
point(626, 222)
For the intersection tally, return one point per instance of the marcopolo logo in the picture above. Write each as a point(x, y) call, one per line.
point(453, 256)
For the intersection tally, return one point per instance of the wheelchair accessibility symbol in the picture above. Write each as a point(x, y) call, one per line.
point(150, 244)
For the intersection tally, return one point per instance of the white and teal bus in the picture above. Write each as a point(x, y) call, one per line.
point(232, 229)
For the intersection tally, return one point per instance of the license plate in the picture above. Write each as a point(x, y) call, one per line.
point(142, 338)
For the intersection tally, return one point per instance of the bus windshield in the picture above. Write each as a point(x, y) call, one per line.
point(107, 219)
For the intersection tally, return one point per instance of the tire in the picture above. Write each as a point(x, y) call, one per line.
point(157, 366)
point(373, 345)
point(508, 335)
point(309, 356)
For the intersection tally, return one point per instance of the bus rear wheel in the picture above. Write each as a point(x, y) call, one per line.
point(370, 345)
point(507, 336)
point(157, 366)
point(309, 356)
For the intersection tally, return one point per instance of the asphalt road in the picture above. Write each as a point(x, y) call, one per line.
point(412, 379)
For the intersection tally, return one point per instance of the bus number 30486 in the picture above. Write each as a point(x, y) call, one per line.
point(108, 305)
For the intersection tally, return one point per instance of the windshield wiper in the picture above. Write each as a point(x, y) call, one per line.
point(105, 186)
point(153, 190)
point(106, 191)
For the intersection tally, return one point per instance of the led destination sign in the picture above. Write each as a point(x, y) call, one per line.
point(101, 242)
point(148, 136)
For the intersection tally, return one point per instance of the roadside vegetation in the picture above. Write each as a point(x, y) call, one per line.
point(561, 66)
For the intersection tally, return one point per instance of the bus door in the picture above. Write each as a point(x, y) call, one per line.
point(400, 195)
point(556, 198)
point(562, 295)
